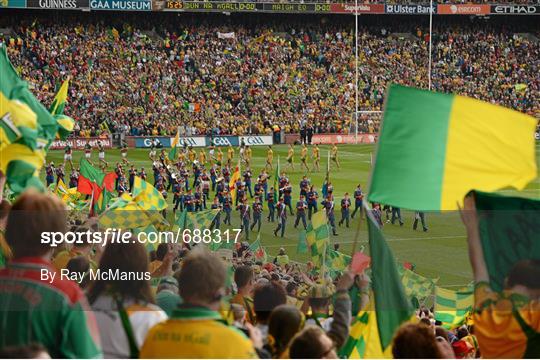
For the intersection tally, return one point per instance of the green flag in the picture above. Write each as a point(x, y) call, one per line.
point(509, 229)
point(453, 307)
point(391, 303)
point(13, 87)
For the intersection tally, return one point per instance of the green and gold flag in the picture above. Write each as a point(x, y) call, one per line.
point(336, 262)
point(364, 341)
point(434, 148)
point(416, 285)
point(318, 237)
point(147, 196)
point(453, 307)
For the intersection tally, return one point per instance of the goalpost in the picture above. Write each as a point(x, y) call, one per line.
point(366, 121)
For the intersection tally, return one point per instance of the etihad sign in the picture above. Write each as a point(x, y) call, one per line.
point(515, 9)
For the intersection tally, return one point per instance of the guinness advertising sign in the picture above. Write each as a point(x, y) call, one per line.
point(58, 4)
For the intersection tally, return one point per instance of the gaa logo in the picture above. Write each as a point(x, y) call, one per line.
point(255, 140)
point(221, 141)
point(187, 142)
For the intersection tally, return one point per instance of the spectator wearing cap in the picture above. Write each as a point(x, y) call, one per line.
point(167, 297)
point(198, 314)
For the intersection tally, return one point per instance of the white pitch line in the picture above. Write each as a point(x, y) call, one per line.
point(389, 240)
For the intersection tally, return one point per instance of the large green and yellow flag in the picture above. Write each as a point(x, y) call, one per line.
point(453, 307)
point(26, 128)
point(14, 88)
point(434, 148)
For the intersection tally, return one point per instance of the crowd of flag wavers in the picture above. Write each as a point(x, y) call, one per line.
point(198, 181)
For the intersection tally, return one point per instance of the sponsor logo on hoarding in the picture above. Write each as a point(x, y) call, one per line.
point(223, 141)
point(361, 9)
point(258, 140)
point(57, 4)
point(515, 9)
point(195, 141)
point(80, 143)
point(409, 9)
point(463, 9)
point(12, 3)
point(146, 142)
point(343, 139)
point(127, 5)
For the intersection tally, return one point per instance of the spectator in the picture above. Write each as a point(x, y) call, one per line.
point(243, 277)
point(167, 297)
point(312, 343)
point(198, 314)
point(505, 323)
point(285, 321)
point(56, 314)
point(124, 306)
point(415, 341)
point(266, 298)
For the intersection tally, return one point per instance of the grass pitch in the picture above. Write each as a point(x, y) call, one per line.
point(440, 252)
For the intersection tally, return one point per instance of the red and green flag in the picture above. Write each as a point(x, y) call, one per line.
point(434, 148)
point(93, 181)
point(257, 249)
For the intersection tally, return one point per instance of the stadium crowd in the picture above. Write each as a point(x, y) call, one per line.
point(185, 302)
point(262, 73)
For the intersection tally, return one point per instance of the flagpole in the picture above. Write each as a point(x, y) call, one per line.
point(356, 235)
point(328, 168)
point(356, 70)
point(430, 41)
